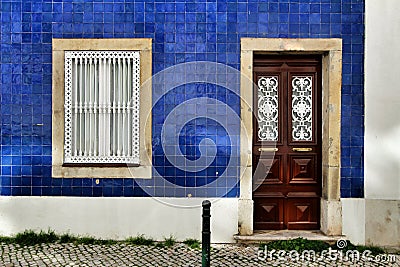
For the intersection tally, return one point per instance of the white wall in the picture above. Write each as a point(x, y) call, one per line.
point(382, 99)
point(381, 207)
point(119, 218)
point(353, 216)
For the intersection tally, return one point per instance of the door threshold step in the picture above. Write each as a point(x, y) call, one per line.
point(260, 236)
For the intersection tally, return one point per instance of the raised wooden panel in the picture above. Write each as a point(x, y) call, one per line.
point(302, 213)
point(268, 213)
point(269, 171)
point(302, 169)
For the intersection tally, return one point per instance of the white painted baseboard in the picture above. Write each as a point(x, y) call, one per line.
point(372, 221)
point(119, 218)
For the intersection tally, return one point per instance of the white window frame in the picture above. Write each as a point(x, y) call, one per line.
point(139, 167)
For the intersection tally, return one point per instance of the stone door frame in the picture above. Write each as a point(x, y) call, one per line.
point(331, 51)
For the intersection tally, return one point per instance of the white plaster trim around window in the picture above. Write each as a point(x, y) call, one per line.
point(144, 170)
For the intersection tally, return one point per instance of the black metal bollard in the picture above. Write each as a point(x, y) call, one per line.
point(206, 234)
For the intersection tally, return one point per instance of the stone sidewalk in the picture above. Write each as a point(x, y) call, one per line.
point(130, 255)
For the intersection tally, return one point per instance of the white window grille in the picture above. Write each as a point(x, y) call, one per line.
point(302, 108)
point(102, 107)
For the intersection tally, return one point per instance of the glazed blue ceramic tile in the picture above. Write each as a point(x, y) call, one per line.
point(181, 32)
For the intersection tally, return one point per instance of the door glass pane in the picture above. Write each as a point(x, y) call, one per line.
point(302, 108)
point(267, 114)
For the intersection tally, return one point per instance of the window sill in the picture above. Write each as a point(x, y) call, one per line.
point(122, 171)
point(101, 165)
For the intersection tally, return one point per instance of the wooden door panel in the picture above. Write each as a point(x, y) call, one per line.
point(269, 170)
point(287, 108)
point(268, 213)
point(303, 169)
point(302, 213)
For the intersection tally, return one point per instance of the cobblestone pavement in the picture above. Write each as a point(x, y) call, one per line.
point(130, 255)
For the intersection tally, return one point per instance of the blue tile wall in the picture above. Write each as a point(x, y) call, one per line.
point(182, 31)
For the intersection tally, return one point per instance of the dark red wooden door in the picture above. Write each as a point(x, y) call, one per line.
point(287, 142)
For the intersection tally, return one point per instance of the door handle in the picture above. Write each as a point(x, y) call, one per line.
point(302, 149)
point(267, 149)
